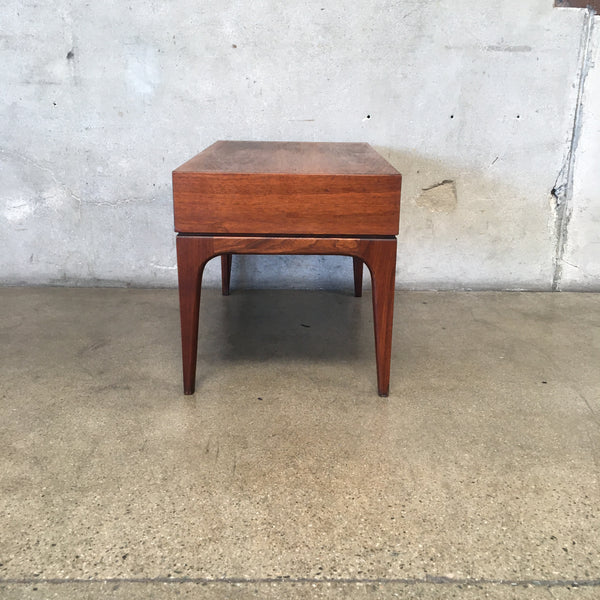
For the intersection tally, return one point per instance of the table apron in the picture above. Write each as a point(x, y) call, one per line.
point(217, 245)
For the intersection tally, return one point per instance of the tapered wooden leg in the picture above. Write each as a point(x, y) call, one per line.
point(192, 256)
point(225, 273)
point(382, 264)
point(358, 276)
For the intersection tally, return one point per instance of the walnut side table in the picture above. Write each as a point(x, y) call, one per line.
point(287, 198)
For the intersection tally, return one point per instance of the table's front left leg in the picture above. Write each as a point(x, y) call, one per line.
point(192, 255)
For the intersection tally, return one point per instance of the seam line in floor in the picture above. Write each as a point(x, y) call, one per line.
point(429, 580)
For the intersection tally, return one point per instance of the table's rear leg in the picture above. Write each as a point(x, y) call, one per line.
point(358, 276)
point(382, 264)
point(192, 255)
point(225, 273)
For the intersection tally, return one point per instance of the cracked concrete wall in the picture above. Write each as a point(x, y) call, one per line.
point(581, 256)
point(473, 102)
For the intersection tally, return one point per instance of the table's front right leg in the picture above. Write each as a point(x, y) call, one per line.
point(192, 255)
point(380, 256)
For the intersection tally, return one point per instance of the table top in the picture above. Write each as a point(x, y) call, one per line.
point(306, 158)
point(287, 188)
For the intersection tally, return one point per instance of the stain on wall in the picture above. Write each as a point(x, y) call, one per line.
point(440, 197)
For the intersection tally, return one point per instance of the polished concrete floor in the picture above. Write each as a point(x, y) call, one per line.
point(285, 475)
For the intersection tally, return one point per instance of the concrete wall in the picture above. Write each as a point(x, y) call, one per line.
point(100, 101)
point(580, 262)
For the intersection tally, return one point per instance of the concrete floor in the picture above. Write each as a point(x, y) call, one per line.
point(286, 476)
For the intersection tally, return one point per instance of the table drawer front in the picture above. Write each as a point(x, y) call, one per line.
point(286, 204)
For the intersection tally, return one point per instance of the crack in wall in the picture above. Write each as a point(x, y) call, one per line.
point(562, 191)
point(26, 159)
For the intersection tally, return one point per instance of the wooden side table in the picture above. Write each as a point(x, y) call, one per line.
point(287, 198)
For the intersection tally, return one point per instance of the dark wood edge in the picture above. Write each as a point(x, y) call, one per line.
point(593, 4)
point(177, 173)
point(286, 235)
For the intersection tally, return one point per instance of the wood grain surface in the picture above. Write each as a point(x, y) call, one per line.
point(287, 188)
